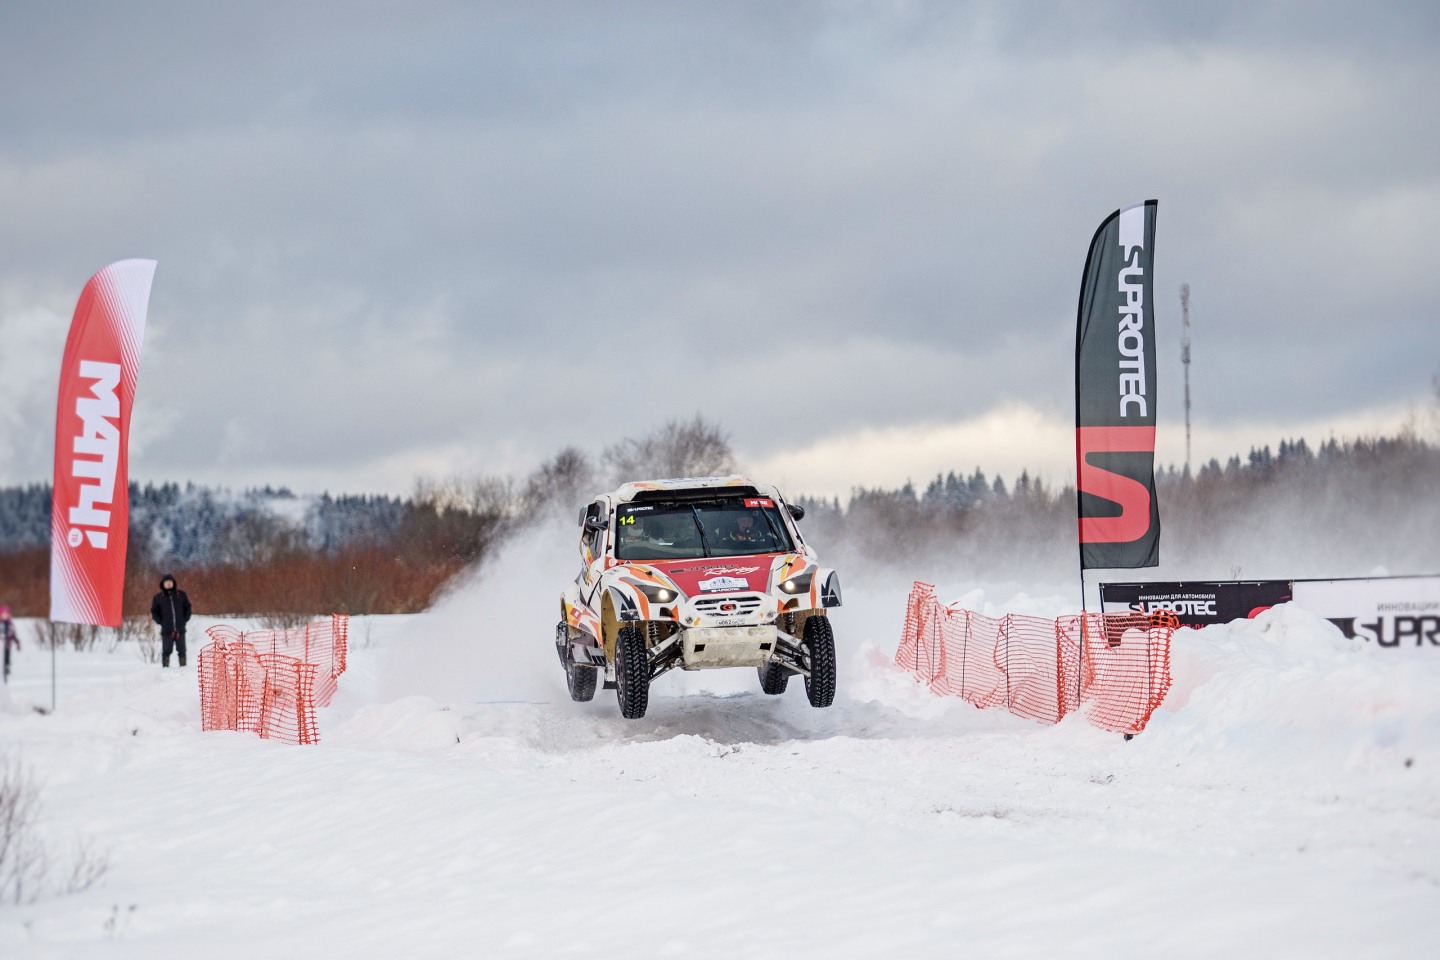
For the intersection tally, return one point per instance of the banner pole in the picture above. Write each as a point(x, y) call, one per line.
point(52, 671)
point(1115, 404)
point(1084, 626)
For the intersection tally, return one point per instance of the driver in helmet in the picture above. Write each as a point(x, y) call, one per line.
point(632, 534)
point(744, 528)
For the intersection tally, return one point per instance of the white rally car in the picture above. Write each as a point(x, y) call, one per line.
point(695, 573)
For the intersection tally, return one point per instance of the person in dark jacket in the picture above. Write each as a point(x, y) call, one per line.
point(170, 609)
point(8, 638)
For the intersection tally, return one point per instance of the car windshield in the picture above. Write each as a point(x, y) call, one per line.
point(687, 531)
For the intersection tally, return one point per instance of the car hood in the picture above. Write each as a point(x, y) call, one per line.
point(720, 575)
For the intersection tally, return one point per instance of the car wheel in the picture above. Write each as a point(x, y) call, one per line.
point(632, 673)
point(580, 680)
point(819, 644)
point(773, 678)
point(562, 642)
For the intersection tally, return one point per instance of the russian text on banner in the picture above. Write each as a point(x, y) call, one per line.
point(90, 513)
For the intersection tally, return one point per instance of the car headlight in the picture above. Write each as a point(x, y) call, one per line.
point(800, 584)
point(657, 594)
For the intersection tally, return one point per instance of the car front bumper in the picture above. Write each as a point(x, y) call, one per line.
point(705, 648)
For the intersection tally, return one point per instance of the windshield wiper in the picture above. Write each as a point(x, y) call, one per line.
point(704, 543)
point(781, 539)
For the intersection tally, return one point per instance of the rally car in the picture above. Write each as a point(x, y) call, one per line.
point(695, 573)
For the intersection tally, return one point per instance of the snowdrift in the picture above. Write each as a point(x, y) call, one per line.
point(1282, 802)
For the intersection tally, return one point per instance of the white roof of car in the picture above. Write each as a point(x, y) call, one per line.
point(627, 492)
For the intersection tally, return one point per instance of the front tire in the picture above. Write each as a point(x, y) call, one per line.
point(632, 673)
point(819, 646)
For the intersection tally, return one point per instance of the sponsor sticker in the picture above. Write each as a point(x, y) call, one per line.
point(720, 570)
point(753, 502)
point(715, 584)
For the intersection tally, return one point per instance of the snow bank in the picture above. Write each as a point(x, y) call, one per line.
point(1281, 803)
point(1290, 687)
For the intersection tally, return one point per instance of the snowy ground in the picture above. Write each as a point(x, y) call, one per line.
point(1284, 803)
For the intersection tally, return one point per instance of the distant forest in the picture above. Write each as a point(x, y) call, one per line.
point(1345, 508)
point(262, 551)
point(1348, 508)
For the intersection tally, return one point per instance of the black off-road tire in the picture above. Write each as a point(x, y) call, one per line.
point(562, 642)
point(773, 678)
point(819, 644)
point(632, 673)
point(580, 680)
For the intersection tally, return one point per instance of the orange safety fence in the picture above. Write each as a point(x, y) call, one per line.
point(1113, 668)
point(270, 682)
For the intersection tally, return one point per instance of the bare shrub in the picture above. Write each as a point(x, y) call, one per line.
point(362, 638)
point(562, 482)
point(24, 861)
point(22, 857)
point(284, 619)
point(87, 866)
point(118, 922)
point(147, 648)
point(133, 628)
point(678, 449)
point(85, 636)
point(139, 631)
point(482, 495)
point(80, 636)
point(136, 626)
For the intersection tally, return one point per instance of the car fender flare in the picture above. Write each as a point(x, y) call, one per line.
point(629, 604)
point(609, 624)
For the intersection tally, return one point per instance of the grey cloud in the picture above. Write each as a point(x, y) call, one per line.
point(388, 229)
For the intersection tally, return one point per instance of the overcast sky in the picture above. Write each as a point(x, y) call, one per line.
point(418, 237)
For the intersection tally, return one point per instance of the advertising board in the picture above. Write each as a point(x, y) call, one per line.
point(1198, 603)
point(1391, 612)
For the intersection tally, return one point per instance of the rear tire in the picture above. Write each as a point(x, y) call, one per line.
point(632, 673)
point(819, 645)
point(562, 641)
point(580, 680)
point(773, 678)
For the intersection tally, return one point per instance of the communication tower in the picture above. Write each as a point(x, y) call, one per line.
point(1185, 359)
